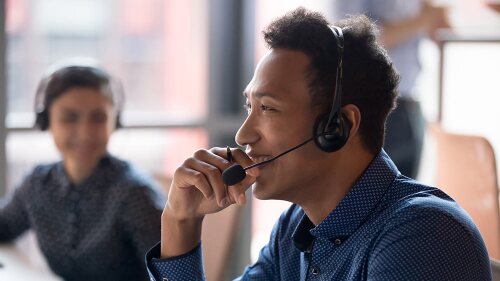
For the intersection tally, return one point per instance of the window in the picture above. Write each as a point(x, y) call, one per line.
point(158, 49)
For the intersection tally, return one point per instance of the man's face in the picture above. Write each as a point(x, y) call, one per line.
point(280, 116)
point(81, 122)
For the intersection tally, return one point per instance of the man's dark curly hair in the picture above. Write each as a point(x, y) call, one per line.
point(369, 78)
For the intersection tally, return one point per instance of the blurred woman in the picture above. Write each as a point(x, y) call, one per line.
point(94, 215)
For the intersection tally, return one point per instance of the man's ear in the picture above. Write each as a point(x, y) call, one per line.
point(353, 115)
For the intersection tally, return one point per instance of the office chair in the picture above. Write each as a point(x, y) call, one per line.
point(466, 171)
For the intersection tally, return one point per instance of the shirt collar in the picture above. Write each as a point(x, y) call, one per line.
point(61, 177)
point(354, 209)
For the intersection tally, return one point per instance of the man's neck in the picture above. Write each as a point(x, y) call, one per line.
point(335, 184)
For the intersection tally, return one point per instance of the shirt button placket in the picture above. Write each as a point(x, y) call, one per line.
point(72, 219)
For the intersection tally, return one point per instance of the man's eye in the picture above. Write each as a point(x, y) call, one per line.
point(265, 108)
point(262, 107)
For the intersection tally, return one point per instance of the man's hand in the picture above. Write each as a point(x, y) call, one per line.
point(196, 190)
point(432, 18)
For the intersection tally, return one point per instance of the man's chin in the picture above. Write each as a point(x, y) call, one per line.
point(260, 192)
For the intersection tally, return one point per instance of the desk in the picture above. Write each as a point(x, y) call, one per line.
point(14, 265)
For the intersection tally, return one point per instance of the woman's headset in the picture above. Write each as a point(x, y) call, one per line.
point(63, 78)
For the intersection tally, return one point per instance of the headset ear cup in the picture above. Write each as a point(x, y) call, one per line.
point(42, 120)
point(333, 138)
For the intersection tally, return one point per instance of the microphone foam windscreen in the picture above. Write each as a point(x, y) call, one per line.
point(233, 175)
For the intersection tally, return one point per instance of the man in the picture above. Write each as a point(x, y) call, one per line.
point(354, 217)
point(404, 25)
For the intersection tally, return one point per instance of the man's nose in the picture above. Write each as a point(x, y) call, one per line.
point(247, 133)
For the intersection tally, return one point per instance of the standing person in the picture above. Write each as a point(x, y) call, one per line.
point(403, 24)
point(93, 214)
point(317, 105)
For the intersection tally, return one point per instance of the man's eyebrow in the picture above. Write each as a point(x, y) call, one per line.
point(260, 95)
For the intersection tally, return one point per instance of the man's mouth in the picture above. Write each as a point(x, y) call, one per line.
point(259, 159)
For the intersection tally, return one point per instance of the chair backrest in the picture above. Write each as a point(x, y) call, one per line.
point(218, 236)
point(466, 171)
point(495, 269)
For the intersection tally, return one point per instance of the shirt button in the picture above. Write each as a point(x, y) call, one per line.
point(314, 270)
point(337, 241)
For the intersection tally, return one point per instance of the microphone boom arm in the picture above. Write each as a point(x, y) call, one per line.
point(278, 156)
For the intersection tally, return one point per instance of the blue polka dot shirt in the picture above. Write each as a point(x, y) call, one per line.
point(97, 230)
point(388, 227)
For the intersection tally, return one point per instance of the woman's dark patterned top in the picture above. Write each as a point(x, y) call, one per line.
point(97, 230)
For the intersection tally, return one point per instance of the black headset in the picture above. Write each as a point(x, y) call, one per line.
point(332, 131)
point(43, 103)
